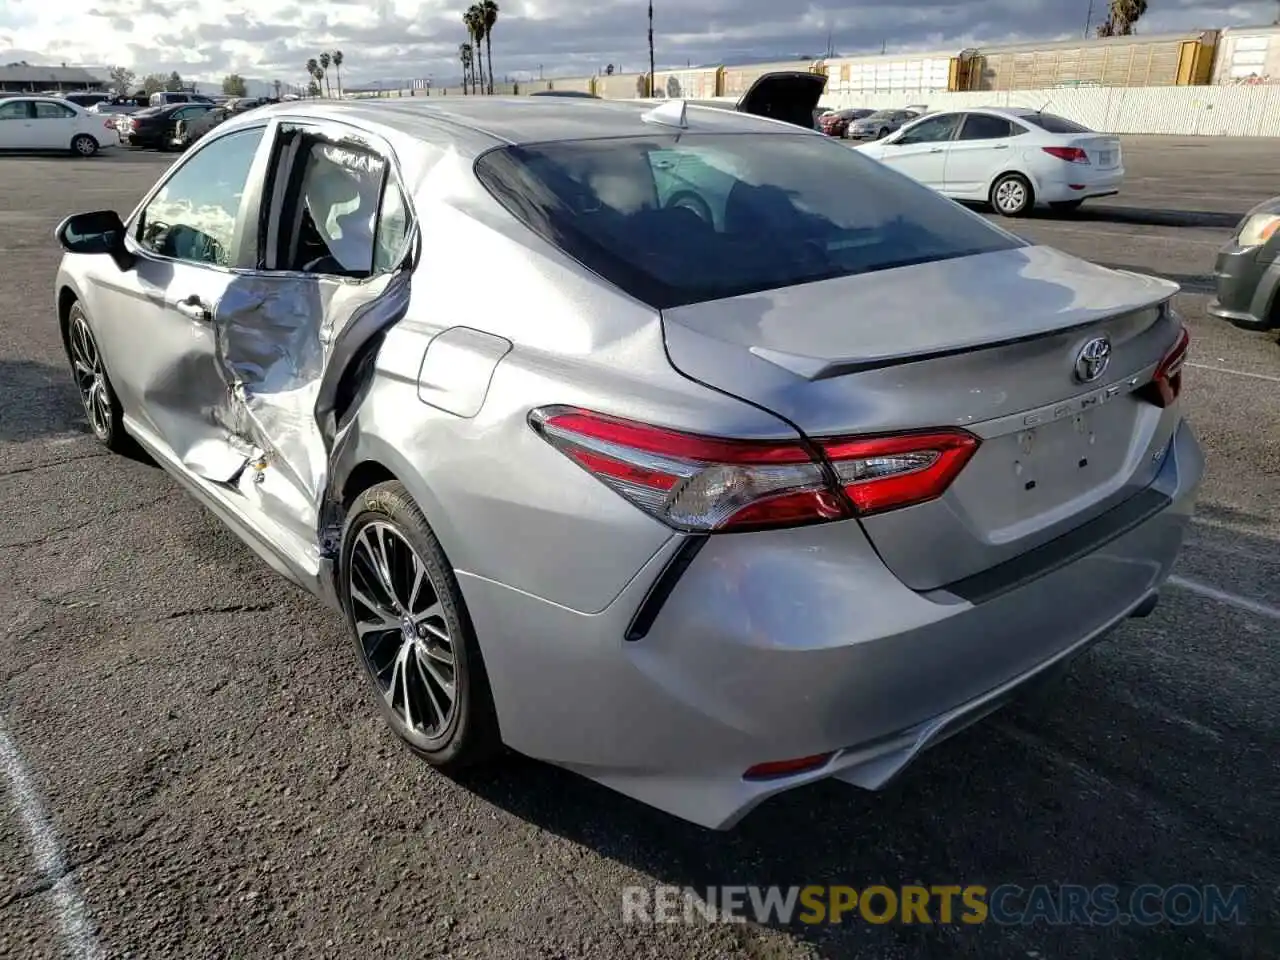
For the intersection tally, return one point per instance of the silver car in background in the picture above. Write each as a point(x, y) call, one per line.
point(705, 500)
point(880, 124)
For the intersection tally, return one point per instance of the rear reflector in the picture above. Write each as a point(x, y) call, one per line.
point(1069, 154)
point(1166, 385)
point(787, 768)
point(704, 484)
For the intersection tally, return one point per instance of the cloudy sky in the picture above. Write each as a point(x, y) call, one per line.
point(380, 39)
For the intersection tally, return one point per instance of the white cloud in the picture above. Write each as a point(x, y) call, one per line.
point(401, 39)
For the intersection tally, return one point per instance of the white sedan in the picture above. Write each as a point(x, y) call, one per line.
point(1010, 158)
point(50, 123)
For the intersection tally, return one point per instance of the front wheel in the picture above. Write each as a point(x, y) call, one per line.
point(412, 632)
point(106, 419)
point(1011, 195)
point(83, 145)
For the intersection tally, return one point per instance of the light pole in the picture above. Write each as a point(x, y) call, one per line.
point(651, 48)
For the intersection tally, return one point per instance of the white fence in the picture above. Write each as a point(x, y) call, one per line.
point(1226, 111)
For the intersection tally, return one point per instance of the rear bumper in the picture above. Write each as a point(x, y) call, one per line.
point(1081, 186)
point(776, 647)
point(1245, 288)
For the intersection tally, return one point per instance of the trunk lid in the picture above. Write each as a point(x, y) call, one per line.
point(788, 95)
point(989, 343)
point(1103, 152)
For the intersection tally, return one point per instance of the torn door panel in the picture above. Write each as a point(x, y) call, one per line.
point(283, 342)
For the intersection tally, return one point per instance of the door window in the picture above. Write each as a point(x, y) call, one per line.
point(194, 215)
point(48, 110)
point(933, 130)
point(15, 110)
point(983, 126)
point(349, 216)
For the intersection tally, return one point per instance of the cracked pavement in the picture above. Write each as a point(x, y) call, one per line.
point(221, 786)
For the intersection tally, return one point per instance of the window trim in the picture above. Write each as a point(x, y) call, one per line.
point(250, 197)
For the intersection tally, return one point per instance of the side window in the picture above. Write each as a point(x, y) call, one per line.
point(933, 130)
point(983, 126)
point(193, 217)
point(15, 110)
point(350, 217)
point(47, 110)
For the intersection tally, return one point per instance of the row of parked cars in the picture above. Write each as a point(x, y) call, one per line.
point(863, 123)
point(175, 125)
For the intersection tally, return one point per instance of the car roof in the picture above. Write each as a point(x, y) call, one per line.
point(478, 123)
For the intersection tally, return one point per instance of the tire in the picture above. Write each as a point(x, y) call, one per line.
point(101, 407)
point(426, 642)
point(1012, 196)
point(883, 133)
point(1066, 206)
point(83, 145)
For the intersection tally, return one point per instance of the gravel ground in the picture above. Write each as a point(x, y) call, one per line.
point(216, 783)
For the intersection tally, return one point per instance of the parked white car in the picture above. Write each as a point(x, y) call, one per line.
point(49, 123)
point(1010, 158)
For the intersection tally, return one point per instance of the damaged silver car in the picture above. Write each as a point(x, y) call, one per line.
point(684, 448)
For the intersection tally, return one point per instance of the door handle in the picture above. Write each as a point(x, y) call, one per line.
point(193, 308)
point(1001, 146)
point(936, 150)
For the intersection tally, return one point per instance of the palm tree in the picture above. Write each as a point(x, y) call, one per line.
point(336, 56)
point(313, 69)
point(473, 19)
point(324, 67)
point(489, 17)
point(1121, 16)
point(464, 54)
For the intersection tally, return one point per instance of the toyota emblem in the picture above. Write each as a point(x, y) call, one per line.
point(1092, 360)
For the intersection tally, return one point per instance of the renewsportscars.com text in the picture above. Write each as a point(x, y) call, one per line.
point(1006, 905)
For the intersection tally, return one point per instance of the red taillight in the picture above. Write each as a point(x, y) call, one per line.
point(109, 124)
point(1069, 154)
point(1166, 385)
point(885, 473)
point(705, 484)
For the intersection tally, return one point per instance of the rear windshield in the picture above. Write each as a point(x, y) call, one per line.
point(674, 220)
point(1053, 124)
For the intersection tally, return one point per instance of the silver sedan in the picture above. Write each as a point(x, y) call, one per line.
point(683, 448)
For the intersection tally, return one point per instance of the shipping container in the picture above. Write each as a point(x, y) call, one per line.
point(914, 73)
point(621, 86)
point(1164, 60)
point(1248, 56)
point(577, 84)
point(735, 81)
point(697, 83)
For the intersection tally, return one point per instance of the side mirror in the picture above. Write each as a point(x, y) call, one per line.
point(99, 232)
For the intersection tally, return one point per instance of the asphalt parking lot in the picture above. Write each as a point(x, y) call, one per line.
point(192, 766)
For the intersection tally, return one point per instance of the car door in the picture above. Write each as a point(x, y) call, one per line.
point(980, 151)
point(188, 113)
point(332, 278)
point(16, 125)
point(156, 320)
point(919, 150)
point(53, 125)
